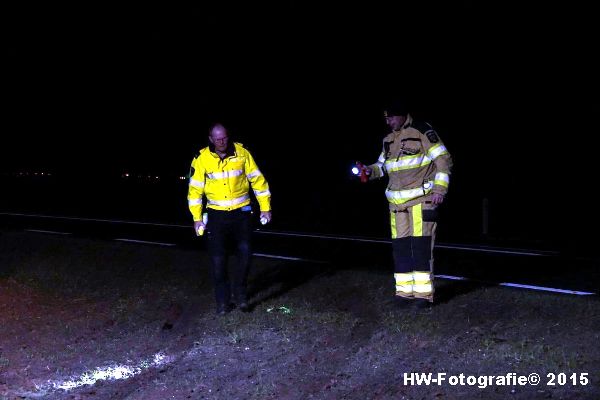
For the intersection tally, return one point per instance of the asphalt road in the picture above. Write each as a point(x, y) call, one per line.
point(543, 269)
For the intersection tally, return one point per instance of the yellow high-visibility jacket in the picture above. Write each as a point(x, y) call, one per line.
point(226, 183)
point(416, 162)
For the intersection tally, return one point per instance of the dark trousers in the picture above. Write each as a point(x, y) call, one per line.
point(225, 229)
point(412, 253)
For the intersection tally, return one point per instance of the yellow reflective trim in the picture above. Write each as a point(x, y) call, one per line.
point(408, 162)
point(402, 196)
point(421, 276)
point(423, 289)
point(404, 289)
point(404, 283)
point(393, 225)
point(403, 278)
point(422, 284)
point(417, 216)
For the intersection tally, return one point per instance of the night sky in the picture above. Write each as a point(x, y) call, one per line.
point(512, 91)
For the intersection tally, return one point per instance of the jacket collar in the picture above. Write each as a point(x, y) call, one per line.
point(408, 122)
point(229, 152)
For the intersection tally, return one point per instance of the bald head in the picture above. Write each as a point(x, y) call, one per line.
point(216, 128)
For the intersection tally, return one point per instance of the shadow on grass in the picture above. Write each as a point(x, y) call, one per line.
point(447, 290)
point(268, 283)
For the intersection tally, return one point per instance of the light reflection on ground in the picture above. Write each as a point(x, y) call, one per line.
point(113, 372)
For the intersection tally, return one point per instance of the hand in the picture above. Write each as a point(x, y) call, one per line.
point(199, 225)
point(367, 170)
point(266, 215)
point(437, 198)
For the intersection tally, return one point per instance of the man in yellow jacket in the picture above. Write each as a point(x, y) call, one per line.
point(418, 167)
point(223, 173)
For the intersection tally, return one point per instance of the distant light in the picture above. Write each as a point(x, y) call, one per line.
point(157, 177)
point(126, 175)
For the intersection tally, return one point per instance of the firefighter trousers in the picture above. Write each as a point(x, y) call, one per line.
point(413, 237)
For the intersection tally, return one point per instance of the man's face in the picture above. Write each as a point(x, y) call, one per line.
point(395, 121)
point(219, 138)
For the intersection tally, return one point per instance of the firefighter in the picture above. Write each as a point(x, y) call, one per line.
point(418, 167)
point(223, 172)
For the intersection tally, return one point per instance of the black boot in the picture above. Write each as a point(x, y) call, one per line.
point(242, 303)
point(222, 309)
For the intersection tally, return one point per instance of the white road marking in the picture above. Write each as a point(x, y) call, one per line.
point(52, 232)
point(483, 249)
point(546, 289)
point(288, 258)
point(145, 242)
point(448, 246)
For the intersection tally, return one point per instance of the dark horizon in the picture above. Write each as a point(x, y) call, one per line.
point(512, 92)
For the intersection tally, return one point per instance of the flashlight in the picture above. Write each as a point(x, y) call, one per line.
point(202, 228)
point(360, 170)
